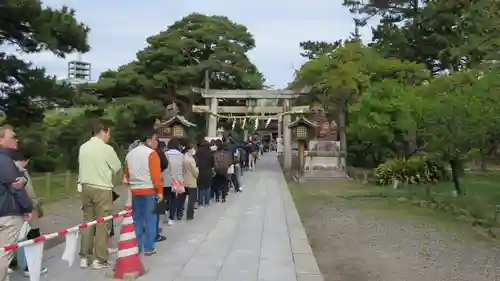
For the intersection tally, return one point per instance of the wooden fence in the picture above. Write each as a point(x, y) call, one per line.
point(54, 186)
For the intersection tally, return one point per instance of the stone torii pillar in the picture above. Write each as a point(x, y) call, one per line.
point(213, 107)
point(287, 136)
point(280, 127)
point(212, 121)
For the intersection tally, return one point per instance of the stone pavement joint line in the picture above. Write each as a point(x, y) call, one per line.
point(256, 236)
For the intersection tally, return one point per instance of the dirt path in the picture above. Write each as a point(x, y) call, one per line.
point(66, 213)
point(354, 245)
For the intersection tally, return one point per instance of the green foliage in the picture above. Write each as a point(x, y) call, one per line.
point(382, 124)
point(443, 35)
point(316, 49)
point(412, 170)
point(32, 27)
point(176, 60)
point(53, 120)
point(54, 144)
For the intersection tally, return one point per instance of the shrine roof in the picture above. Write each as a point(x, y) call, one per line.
point(303, 120)
point(179, 119)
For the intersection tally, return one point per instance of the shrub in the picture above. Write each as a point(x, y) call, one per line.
point(413, 170)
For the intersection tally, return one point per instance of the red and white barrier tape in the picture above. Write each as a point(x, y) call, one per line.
point(63, 232)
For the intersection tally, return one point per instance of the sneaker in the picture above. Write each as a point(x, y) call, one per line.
point(42, 271)
point(160, 238)
point(10, 270)
point(112, 250)
point(84, 263)
point(150, 253)
point(170, 222)
point(96, 265)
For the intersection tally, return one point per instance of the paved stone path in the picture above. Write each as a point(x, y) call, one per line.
point(257, 235)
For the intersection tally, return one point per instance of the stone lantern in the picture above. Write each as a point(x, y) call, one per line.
point(303, 129)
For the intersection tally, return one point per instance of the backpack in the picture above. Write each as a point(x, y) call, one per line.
point(222, 161)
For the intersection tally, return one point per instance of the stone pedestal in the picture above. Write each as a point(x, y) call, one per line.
point(324, 160)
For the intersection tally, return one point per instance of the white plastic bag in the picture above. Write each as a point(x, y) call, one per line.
point(230, 170)
point(25, 228)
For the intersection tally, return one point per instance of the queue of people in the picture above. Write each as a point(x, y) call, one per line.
point(163, 179)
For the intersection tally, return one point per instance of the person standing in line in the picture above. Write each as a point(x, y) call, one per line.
point(163, 165)
point(222, 161)
point(235, 176)
point(205, 161)
point(174, 172)
point(98, 164)
point(190, 173)
point(15, 203)
point(143, 173)
point(21, 160)
point(248, 154)
point(243, 156)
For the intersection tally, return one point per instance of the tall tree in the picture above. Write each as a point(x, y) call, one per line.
point(443, 35)
point(31, 28)
point(315, 49)
point(460, 113)
point(345, 74)
point(176, 60)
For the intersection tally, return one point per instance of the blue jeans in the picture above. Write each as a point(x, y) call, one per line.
point(145, 221)
point(204, 196)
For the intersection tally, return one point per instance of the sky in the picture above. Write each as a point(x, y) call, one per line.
point(120, 27)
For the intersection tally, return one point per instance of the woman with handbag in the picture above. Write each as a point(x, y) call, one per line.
point(21, 160)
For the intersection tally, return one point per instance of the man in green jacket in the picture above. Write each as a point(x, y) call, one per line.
point(98, 164)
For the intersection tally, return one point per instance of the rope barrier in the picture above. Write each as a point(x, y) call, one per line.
point(62, 232)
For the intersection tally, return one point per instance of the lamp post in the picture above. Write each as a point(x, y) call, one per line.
point(302, 129)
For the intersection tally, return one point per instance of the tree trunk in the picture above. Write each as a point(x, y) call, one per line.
point(455, 174)
point(343, 131)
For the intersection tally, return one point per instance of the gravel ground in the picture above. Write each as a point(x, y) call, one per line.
point(354, 245)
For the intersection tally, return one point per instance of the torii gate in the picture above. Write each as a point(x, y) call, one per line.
point(252, 107)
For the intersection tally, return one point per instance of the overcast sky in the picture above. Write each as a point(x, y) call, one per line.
point(120, 27)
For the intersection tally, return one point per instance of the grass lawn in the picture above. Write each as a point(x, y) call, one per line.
point(55, 186)
point(477, 206)
point(365, 232)
point(480, 201)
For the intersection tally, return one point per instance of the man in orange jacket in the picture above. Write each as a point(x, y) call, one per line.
point(143, 175)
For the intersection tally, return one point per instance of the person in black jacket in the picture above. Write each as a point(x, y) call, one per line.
point(160, 149)
point(14, 200)
point(205, 162)
point(161, 152)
